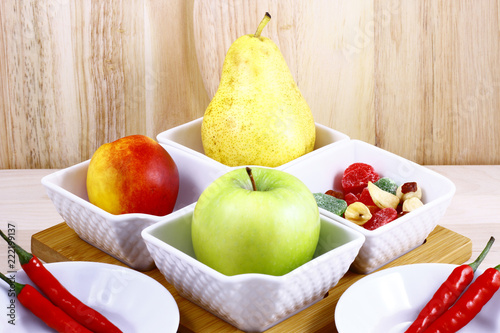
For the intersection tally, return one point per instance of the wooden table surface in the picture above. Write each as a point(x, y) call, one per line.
point(474, 212)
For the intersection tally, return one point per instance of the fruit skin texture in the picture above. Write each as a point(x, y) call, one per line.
point(272, 230)
point(133, 174)
point(258, 116)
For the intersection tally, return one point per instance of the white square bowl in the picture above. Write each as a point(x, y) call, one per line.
point(120, 235)
point(250, 302)
point(324, 171)
point(187, 137)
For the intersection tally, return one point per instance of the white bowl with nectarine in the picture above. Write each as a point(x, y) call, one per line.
point(120, 234)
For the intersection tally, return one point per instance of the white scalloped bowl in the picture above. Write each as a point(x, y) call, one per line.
point(120, 235)
point(250, 302)
point(324, 171)
point(187, 137)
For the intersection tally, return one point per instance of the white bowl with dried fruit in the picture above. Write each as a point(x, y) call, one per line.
point(374, 186)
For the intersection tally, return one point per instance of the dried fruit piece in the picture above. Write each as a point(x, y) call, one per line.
point(356, 166)
point(336, 194)
point(330, 203)
point(358, 213)
point(350, 198)
point(387, 184)
point(373, 209)
point(412, 204)
point(382, 198)
point(409, 190)
point(380, 218)
point(357, 176)
point(409, 187)
point(366, 198)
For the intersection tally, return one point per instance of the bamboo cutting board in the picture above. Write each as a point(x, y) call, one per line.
point(60, 243)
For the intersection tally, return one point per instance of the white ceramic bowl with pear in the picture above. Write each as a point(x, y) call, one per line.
point(258, 116)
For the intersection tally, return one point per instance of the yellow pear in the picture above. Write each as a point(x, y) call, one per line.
point(258, 116)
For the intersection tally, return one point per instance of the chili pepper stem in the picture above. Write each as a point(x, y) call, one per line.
point(24, 256)
point(482, 255)
point(14, 285)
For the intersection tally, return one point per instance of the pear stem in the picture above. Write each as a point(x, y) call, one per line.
point(262, 24)
point(249, 172)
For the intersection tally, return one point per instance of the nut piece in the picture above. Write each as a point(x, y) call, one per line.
point(412, 204)
point(358, 213)
point(405, 196)
point(381, 198)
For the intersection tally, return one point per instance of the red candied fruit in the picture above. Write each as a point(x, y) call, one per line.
point(373, 209)
point(350, 198)
point(355, 166)
point(380, 218)
point(366, 198)
point(357, 176)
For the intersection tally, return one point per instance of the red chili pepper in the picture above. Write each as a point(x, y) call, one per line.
point(448, 293)
point(59, 295)
point(470, 304)
point(41, 307)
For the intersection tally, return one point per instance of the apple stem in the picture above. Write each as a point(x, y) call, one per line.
point(249, 171)
point(262, 24)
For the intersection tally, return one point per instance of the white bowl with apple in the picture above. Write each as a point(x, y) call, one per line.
point(119, 234)
point(253, 255)
point(324, 171)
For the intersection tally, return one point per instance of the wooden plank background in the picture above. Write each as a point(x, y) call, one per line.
point(418, 78)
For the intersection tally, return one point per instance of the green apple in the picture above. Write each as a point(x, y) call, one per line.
point(257, 220)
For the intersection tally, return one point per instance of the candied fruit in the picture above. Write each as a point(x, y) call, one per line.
point(357, 176)
point(380, 218)
point(387, 185)
point(350, 198)
point(366, 198)
point(330, 203)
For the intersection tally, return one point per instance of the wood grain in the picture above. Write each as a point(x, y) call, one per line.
point(77, 74)
point(437, 80)
point(60, 243)
point(420, 79)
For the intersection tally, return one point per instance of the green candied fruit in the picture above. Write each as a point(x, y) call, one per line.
point(330, 203)
point(387, 185)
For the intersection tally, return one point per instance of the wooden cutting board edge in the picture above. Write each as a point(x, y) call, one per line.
point(61, 243)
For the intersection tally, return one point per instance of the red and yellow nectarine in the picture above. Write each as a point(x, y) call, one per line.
point(134, 174)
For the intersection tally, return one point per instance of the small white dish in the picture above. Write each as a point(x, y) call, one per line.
point(134, 302)
point(388, 301)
